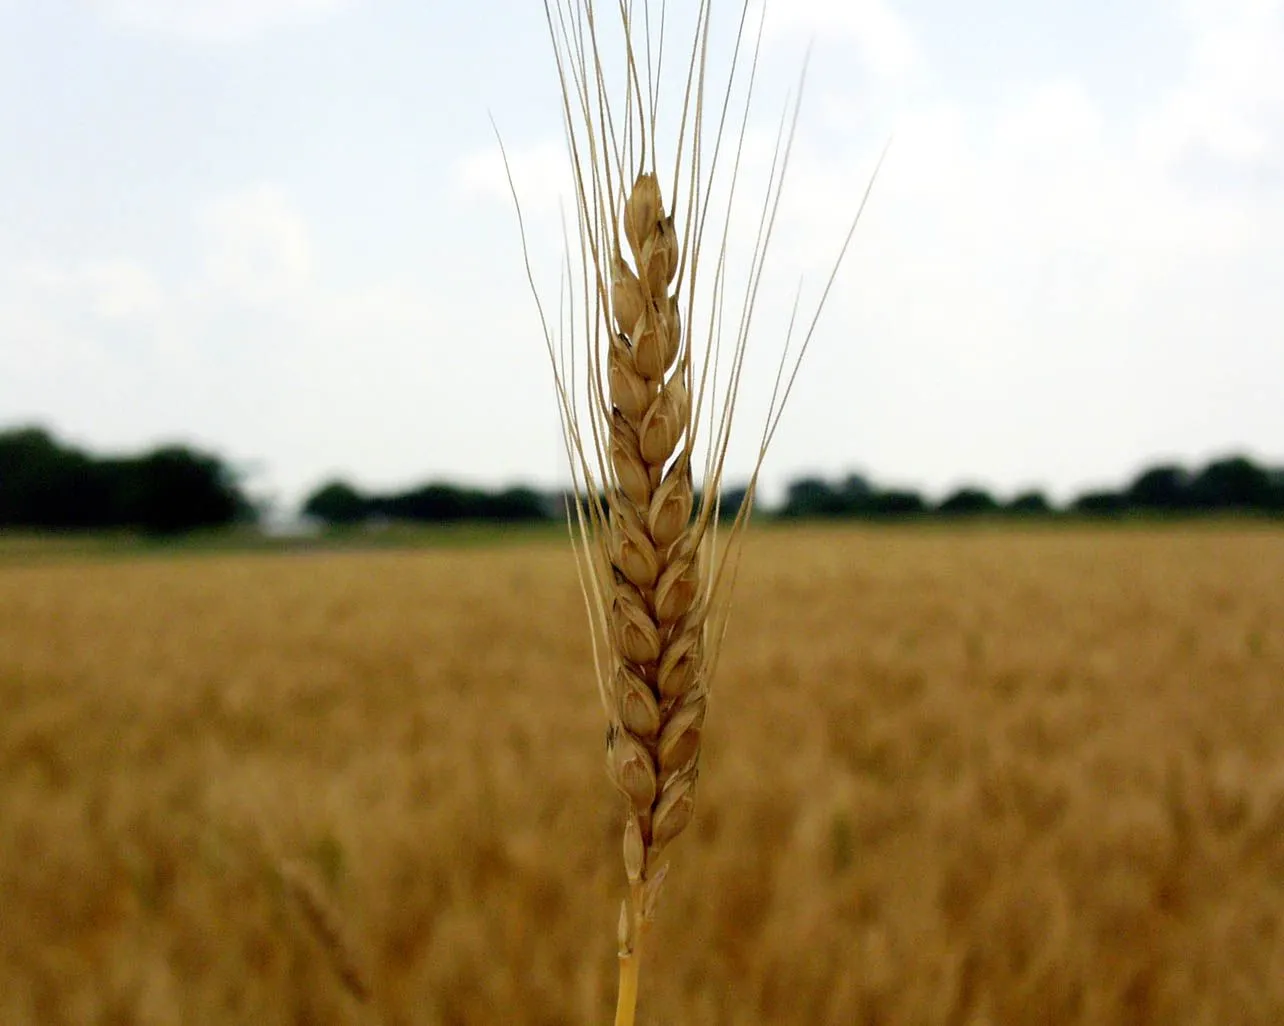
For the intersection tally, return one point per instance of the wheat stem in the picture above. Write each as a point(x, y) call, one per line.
point(631, 931)
point(627, 1002)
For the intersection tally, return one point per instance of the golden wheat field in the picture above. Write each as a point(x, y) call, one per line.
point(951, 776)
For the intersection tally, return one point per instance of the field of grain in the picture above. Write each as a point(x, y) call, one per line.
point(950, 777)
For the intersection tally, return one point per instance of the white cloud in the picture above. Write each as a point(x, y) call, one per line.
point(116, 289)
point(540, 172)
point(887, 46)
point(122, 290)
point(1050, 122)
point(1230, 107)
point(257, 245)
point(215, 20)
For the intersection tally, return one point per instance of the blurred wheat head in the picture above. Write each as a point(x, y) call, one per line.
point(648, 348)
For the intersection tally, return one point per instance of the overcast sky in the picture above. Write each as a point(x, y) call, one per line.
point(280, 229)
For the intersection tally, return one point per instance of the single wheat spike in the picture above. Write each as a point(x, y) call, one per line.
point(321, 918)
point(326, 927)
point(656, 577)
point(656, 617)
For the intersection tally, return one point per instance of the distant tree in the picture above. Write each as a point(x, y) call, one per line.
point(1100, 504)
point(1275, 492)
point(854, 496)
point(1235, 483)
point(730, 501)
point(337, 503)
point(562, 504)
point(436, 503)
point(812, 497)
point(517, 505)
point(896, 503)
point(855, 490)
point(440, 503)
point(968, 502)
point(41, 483)
point(44, 484)
point(1165, 488)
point(1032, 503)
point(175, 489)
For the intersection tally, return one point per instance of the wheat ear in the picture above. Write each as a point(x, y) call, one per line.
point(657, 620)
point(324, 922)
point(656, 577)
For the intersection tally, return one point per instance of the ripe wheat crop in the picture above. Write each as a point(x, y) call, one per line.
point(1028, 777)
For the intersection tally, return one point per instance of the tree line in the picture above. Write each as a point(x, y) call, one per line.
point(46, 484)
point(1230, 485)
point(339, 504)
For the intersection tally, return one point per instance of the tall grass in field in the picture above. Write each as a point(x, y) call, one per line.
point(1031, 776)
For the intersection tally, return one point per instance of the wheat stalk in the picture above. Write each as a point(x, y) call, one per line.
point(655, 576)
point(327, 928)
